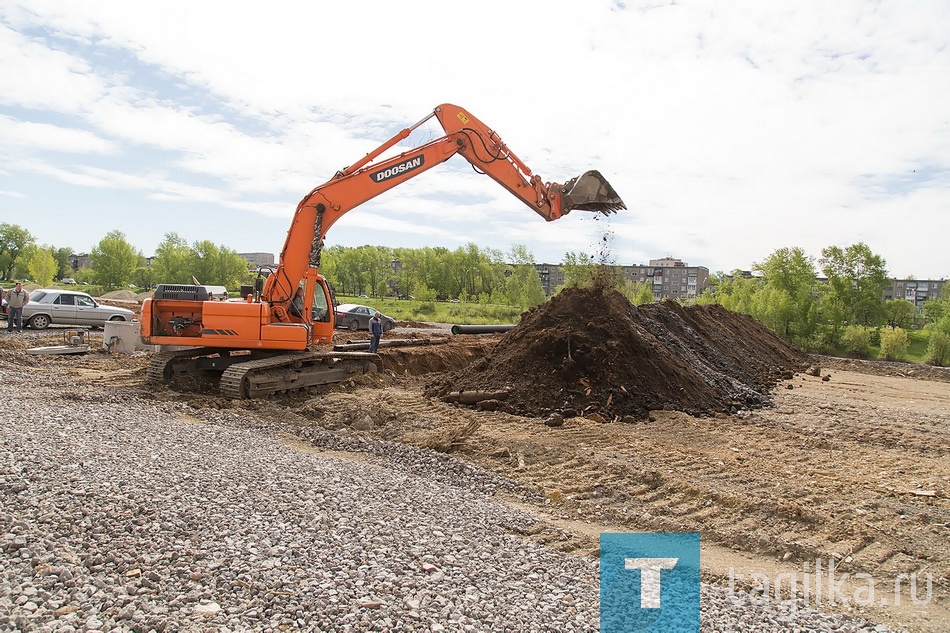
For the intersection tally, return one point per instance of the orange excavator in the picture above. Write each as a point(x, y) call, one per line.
point(268, 342)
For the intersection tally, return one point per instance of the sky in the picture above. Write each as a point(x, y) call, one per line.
point(730, 129)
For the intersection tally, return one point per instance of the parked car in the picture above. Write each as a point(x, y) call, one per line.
point(67, 307)
point(356, 317)
point(68, 281)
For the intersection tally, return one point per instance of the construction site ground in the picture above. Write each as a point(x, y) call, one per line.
point(851, 465)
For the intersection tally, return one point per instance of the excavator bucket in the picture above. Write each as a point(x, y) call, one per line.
point(590, 192)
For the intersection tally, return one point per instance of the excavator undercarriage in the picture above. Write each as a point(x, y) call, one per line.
point(256, 374)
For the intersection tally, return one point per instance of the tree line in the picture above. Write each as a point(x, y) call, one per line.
point(467, 273)
point(843, 312)
point(115, 263)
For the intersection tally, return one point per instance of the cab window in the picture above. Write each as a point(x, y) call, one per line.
point(321, 311)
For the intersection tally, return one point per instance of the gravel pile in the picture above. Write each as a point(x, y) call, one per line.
point(124, 514)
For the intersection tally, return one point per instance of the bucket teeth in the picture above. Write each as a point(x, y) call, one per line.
point(591, 192)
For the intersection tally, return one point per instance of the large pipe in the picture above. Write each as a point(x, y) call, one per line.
point(480, 329)
point(409, 342)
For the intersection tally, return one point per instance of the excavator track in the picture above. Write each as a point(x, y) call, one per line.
point(161, 367)
point(289, 372)
point(248, 376)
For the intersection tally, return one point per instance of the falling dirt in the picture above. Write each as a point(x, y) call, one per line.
point(590, 351)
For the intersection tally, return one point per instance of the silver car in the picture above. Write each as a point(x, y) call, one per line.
point(67, 307)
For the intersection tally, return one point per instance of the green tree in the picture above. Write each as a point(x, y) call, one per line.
point(739, 293)
point(894, 343)
point(523, 284)
point(470, 270)
point(13, 239)
point(786, 303)
point(63, 267)
point(578, 269)
point(900, 312)
point(377, 263)
point(113, 260)
point(173, 261)
point(857, 278)
point(856, 340)
point(144, 277)
point(640, 293)
point(42, 266)
point(935, 309)
point(217, 265)
point(938, 349)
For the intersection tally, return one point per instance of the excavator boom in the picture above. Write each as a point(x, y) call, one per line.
point(366, 179)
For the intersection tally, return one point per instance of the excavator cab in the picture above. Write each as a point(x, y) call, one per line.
point(312, 305)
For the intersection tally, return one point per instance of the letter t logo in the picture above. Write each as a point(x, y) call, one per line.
point(650, 578)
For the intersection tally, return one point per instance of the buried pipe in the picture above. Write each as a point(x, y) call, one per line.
point(480, 329)
point(409, 342)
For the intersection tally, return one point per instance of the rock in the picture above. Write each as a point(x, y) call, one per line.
point(554, 420)
point(813, 370)
point(208, 609)
point(489, 405)
point(363, 424)
point(370, 604)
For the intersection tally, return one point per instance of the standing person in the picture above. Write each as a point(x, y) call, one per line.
point(375, 331)
point(16, 299)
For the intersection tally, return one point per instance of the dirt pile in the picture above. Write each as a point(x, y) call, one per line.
point(590, 351)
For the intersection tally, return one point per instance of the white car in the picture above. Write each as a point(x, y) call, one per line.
point(49, 306)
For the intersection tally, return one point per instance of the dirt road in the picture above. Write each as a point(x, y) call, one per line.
point(853, 470)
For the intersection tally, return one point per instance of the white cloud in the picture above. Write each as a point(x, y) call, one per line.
point(25, 136)
point(36, 76)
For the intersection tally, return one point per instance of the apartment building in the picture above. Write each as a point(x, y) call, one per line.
point(258, 259)
point(552, 277)
point(917, 291)
point(671, 278)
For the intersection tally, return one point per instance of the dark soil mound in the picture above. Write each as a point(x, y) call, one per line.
point(590, 350)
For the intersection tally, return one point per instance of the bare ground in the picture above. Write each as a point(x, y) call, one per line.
point(855, 468)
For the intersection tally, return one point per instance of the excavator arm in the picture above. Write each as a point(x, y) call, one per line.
point(366, 179)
